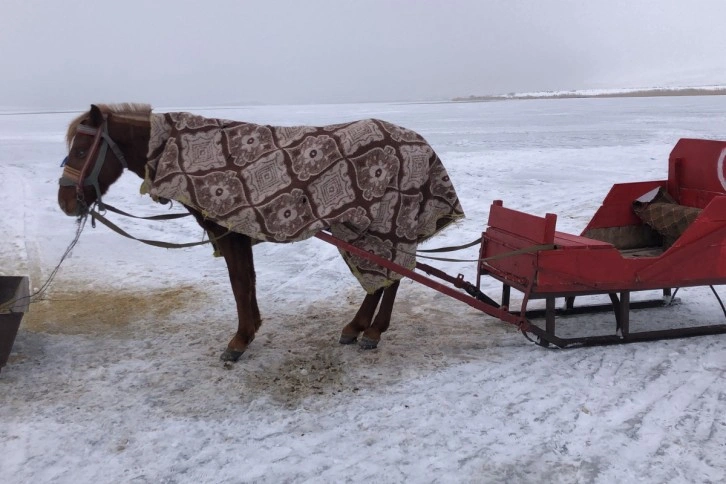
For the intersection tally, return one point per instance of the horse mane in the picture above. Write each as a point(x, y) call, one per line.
point(131, 110)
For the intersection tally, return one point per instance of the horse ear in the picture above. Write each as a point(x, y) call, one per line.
point(96, 115)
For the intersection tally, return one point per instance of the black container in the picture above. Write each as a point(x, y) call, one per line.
point(12, 288)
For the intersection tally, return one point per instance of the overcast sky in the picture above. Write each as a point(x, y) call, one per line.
point(69, 53)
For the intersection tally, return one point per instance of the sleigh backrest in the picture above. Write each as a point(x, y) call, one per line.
point(696, 171)
point(696, 174)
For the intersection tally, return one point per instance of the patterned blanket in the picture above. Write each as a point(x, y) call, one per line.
point(376, 185)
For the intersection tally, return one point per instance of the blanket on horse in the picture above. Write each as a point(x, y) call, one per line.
point(376, 185)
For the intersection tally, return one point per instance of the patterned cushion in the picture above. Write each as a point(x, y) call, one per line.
point(665, 216)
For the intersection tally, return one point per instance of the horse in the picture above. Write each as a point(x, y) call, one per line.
point(369, 182)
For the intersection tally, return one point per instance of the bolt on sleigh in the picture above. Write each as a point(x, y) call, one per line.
point(646, 235)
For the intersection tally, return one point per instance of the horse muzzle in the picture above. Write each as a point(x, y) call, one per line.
point(70, 203)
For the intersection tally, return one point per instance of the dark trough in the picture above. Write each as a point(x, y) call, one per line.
point(13, 290)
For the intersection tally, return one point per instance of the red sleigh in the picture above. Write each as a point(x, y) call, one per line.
point(526, 253)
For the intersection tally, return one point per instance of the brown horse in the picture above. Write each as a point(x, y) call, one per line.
point(375, 184)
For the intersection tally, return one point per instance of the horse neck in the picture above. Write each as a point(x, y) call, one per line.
point(131, 134)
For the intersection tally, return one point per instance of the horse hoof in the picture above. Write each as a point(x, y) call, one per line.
point(230, 355)
point(367, 343)
point(348, 339)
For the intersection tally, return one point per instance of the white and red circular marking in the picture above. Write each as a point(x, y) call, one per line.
point(720, 169)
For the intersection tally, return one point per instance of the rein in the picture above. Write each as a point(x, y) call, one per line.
point(172, 216)
point(37, 295)
point(418, 254)
point(96, 216)
point(525, 250)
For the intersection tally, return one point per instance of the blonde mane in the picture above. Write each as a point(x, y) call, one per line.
point(126, 110)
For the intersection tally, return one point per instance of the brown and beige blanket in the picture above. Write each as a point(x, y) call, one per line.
point(376, 185)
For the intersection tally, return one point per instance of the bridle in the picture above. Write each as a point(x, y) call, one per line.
point(82, 178)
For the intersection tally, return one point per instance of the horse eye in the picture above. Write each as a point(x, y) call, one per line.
point(81, 153)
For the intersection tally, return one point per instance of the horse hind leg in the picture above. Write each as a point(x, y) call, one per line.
point(372, 334)
point(362, 319)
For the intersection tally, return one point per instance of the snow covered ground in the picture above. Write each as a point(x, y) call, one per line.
point(115, 376)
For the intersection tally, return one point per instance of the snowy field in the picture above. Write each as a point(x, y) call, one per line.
point(115, 376)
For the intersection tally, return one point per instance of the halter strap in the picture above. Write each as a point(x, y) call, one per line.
point(83, 129)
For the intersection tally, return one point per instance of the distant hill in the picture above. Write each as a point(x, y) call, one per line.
point(596, 93)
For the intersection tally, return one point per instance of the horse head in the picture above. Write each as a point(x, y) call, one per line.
point(98, 149)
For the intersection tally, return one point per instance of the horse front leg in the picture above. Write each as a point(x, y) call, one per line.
point(237, 252)
point(372, 334)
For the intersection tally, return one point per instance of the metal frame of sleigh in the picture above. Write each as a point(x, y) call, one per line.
point(677, 239)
